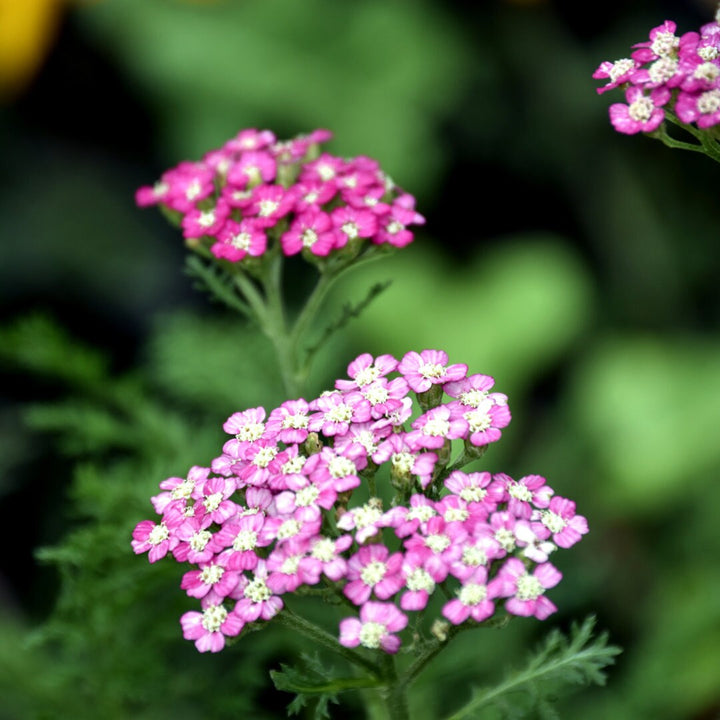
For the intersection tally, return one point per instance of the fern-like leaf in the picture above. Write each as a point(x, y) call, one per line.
point(559, 662)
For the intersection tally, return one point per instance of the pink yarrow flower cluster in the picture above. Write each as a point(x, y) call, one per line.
point(255, 190)
point(350, 497)
point(677, 72)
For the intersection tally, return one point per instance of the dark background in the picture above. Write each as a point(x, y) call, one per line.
point(576, 265)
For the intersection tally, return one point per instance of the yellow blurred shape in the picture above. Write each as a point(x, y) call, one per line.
point(27, 29)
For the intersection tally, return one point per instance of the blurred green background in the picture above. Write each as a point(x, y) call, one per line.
point(577, 266)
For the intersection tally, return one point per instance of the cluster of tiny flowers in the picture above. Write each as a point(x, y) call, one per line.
point(299, 501)
point(678, 72)
point(255, 190)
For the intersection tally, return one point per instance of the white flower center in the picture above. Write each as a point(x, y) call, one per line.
point(474, 556)
point(367, 514)
point(265, 456)
point(213, 617)
point(620, 67)
point(528, 587)
point(339, 414)
point(371, 633)
point(257, 591)
point(199, 540)
point(367, 375)
point(158, 534)
point(206, 218)
point(421, 512)
point(288, 529)
point(478, 420)
point(472, 594)
point(326, 172)
point(436, 427)
point(324, 550)
point(420, 579)
point(290, 565)
point(295, 422)
point(519, 492)
point(456, 515)
point(309, 238)
point(245, 540)
point(641, 110)
point(350, 229)
point(373, 573)
point(307, 496)
point(403, 462)
point(473, 494)
point(474, 398)
point(506, 539)
point(294, 466)
point(241, 241)
point(437, 543)
point(183, 490)
point(212, 502)
point(394, 227)
point(707, 71)
point(267, 207)
point(193, 190)
point(664, 43)
point(340, 466)
point(554, 523)
point(432, 370)
point(251, 431)
point(708, 52)
point(709, 102)
point(662, 70)
point(211, 574)
point(377, 394)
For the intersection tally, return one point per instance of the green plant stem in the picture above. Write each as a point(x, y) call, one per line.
point(299, 624)
point(396, 693)
point(276, 327)
point(707, 145)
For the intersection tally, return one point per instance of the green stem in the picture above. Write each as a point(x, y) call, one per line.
point(276, 327)
point(299, 624)
point(396, 694)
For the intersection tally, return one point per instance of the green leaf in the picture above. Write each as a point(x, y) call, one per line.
point(559, 662)
point(315, 685)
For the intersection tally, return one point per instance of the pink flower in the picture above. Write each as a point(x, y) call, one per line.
point(257, 599)
point(289, 422)
point(618, 73)
point(365, 370)
point(210, 627)
point(643, 113)
point(212, 577)
point(269, 204)
point(312, 230)
point(702, 108)
point(525, 494)
point(428, 368)
point(375, 628)
point(289, 567)
point(373, 569)
point(198, 223)
point(434, 427)
point(252, 168)
point(155, 538)
point(351, 223)
point(474, 599)
point(236, 240)
point(242, 536)
point(526, 590)
point(560, 521)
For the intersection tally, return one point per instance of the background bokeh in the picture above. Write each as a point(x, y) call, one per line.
point(577, 266)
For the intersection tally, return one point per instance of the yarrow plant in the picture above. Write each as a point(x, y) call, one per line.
point(362, 497)
point(669, 78)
